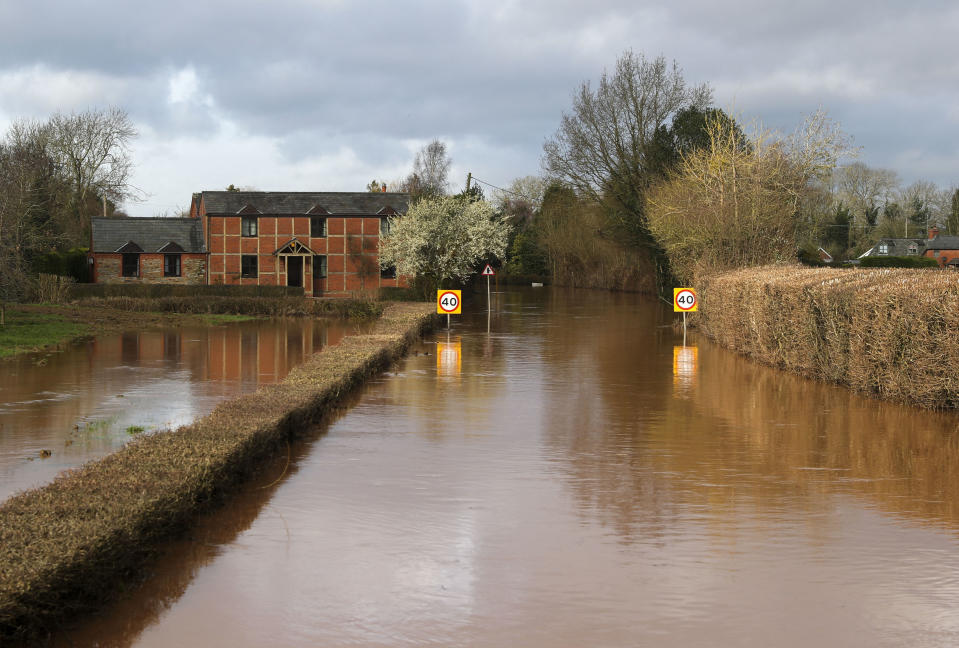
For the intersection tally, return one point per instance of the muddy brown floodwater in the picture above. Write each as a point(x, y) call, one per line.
point(91, 398)
point(574, 477)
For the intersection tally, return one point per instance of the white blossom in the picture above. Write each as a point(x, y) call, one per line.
point(444, 238)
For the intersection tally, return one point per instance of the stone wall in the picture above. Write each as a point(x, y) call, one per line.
point(108, 269)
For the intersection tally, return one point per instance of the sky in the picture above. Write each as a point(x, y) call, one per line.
point(326, 95)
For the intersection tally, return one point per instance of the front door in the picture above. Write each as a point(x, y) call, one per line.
point(294, 271)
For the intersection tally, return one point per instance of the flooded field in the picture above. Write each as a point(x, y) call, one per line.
point(90, 399)
point(566, 473)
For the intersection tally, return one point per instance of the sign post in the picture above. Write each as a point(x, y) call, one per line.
point(685, 301)
point(449, 302)
point(488, 272)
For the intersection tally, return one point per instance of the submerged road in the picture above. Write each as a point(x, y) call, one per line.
point(567, 474)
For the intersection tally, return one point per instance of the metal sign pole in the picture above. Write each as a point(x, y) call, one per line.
point(489, 305)
point(684, 328)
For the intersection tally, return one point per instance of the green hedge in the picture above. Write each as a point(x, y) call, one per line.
point(69, 263)
point(898, 262)
point(156, 291)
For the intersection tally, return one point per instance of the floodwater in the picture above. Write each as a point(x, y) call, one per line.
point(91, 398)
point(576, 477)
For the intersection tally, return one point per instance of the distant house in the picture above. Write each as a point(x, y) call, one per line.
point(325, 242)
point(148, 250)
point(944, 248)
point(896, 247)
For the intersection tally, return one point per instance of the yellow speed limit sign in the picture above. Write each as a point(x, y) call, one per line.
point(449, 302)
point(685, 300)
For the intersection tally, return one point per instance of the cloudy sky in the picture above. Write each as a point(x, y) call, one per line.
point(329, 94)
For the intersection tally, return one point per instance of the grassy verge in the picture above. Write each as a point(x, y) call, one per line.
point(30, 331)
point(67, 546)
point(887, 332)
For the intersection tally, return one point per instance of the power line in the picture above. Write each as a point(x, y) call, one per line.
point(490, 184)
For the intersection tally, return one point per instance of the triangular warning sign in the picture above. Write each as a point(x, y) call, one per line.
point(488, 271)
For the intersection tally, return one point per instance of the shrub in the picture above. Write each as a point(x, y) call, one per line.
point(898, 262)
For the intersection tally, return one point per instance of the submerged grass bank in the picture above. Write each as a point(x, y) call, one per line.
point(33, 327)
point(893, 333)
point(26, 331)
point(67, 546)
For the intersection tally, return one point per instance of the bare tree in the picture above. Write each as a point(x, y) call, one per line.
point(92, 151)
point(602, 144)
point(431, 167)
point(865, 190)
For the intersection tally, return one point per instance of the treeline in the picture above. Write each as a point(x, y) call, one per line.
point(54, 177)
point(861, 205)
point(647, 185)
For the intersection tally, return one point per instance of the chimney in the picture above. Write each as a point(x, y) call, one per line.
point(933, 232)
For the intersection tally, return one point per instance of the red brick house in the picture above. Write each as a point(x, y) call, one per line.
point(943, 248)
point(147, 250)
point(326, 242)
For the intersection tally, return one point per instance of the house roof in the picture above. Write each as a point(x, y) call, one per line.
point(943, 242)
point(897, 247)
point(148, 234)
point(340, 203)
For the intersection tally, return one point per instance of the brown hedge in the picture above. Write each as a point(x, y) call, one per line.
point(889, 332)
point(67, 546)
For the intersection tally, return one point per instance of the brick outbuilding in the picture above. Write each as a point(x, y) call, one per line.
point(148, 250)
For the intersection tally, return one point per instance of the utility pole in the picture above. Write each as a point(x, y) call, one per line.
point(469, 178)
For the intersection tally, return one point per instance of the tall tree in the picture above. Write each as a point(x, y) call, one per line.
point(430, 175)
point(864, 189)
point(29, 200)
point(92, 151)
point(603, 145)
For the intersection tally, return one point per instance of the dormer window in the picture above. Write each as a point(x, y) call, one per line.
point(883, 248)
point(248, 227)
point(913, 249)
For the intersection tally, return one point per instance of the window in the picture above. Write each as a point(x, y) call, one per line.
point(319, 266)
point(883, 248)
point(248, 266)
point(388, 273)
point(317, 227)
point(171, 265)
point(913, 249)
point(131, 265)
point(249, 226)
point(385, 226)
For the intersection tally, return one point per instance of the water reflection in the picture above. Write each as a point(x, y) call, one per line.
point(86, 401)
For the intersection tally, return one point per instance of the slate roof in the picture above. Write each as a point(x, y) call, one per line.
point(898, 247)
point(345, 203)
point(943, 242)
point(150, 234)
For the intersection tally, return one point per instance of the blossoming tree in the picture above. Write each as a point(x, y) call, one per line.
point(443, 238)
